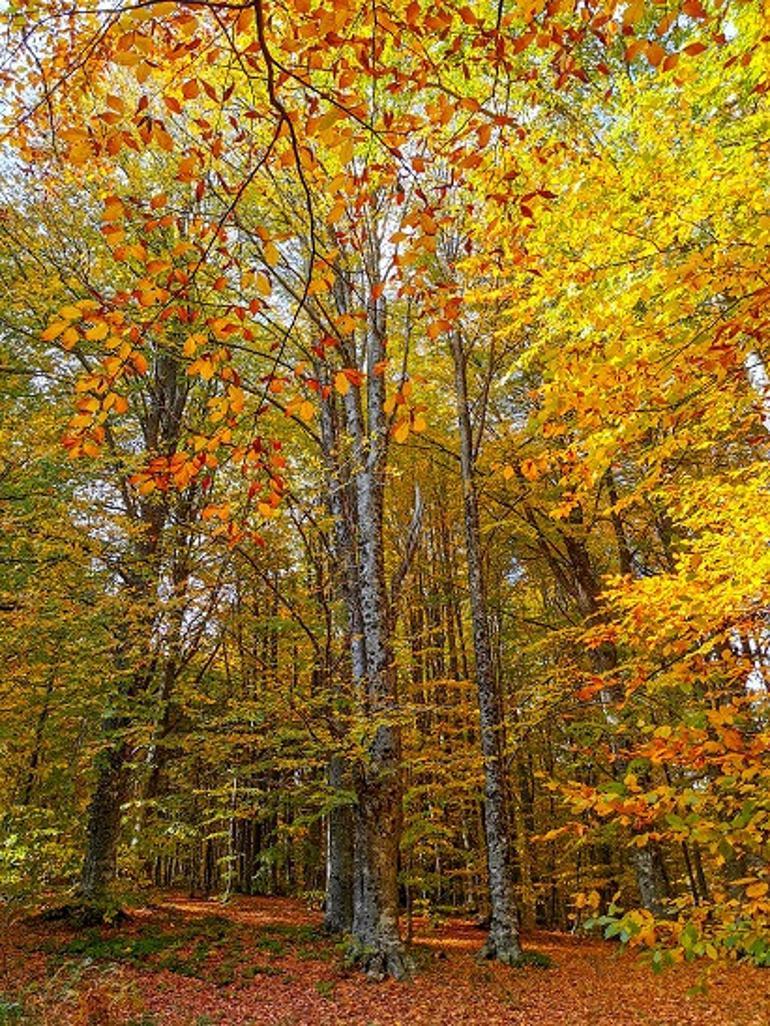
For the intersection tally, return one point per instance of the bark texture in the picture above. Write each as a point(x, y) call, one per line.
point(378, 776)
point(104, 814)
point(354, 441)
point(503, 939)
point(338, 910)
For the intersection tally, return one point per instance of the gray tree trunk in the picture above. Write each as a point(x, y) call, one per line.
point(378, 775)
point(503, 940)
point(356, 497)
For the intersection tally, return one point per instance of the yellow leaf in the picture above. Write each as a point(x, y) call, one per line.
point(756, 890)
point(236, 398)
point(306, 411)
point(113, 209)
point(401, 432)
point(69, 338)
point(341, 383)
point(270, 254)
point(336, 212)
point(98, 332)
point(346, 323)
point(53, 331)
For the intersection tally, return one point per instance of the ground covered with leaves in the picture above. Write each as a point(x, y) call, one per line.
point(265, 962)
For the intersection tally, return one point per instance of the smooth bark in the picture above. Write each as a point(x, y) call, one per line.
point(503, 939)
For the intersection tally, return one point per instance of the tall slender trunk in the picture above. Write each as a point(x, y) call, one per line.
point(503, 940)
point(378, 775)
point(34, 759)
point(338, 904)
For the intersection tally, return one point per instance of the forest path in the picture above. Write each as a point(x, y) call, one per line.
point(263, 962)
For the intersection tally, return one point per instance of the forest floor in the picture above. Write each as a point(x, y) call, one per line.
point(264, 962)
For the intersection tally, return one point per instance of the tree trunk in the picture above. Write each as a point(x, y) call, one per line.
point(338, 917)
point(354, 446)
point(104, 815)
point(378, 775)
point(503, 940)
point(338, 913)
point(649, 880)
point(134, 653)
point(34, 759)
point(647, 861)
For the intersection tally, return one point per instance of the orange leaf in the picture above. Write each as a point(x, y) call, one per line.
point(341, 383)
point(655, 54)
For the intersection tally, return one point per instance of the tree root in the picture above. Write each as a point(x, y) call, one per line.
point(390, 962)
point(513, 956)
point(83, 914)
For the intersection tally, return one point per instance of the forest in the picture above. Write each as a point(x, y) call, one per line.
point(384, 556)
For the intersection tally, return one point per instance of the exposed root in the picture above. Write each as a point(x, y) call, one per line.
point(390, 962)
point(513, 956)
point(83, 914)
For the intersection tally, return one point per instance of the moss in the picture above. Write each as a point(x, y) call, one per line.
point(11, 1012)
point(325, 988)
point(134, 948)
point(532, 960)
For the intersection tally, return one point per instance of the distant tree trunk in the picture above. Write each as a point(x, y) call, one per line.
point(649, 878)
point(503, 940)
point(649, 867)
point(338, 913)
point(521, 813)
point(34, 759)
